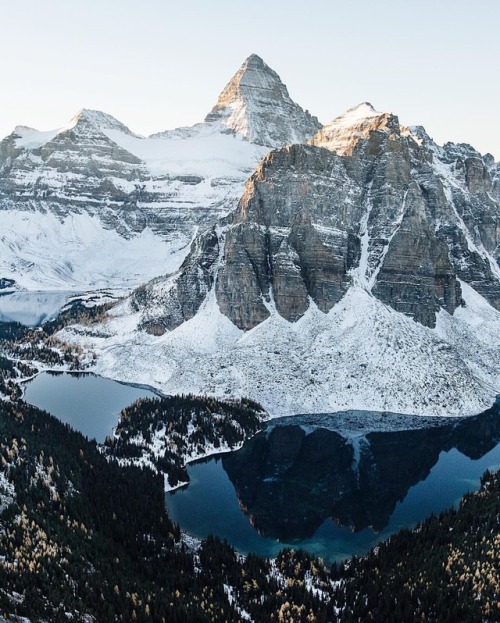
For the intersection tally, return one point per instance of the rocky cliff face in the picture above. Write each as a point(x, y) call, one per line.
point(343, 133)
point(77, 169)
point(172, 183)
point(399, 216)
point(359, 274)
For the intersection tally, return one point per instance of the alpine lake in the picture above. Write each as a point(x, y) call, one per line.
point(332, 484)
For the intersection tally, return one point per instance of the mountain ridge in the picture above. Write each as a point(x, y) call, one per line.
point(348, 271)
point(169, 184)
point(362, 281)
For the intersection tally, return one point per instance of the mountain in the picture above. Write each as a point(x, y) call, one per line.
point(405, 221)
point(362, 274)
point(79, 202)
point(255, 103)
point(343, 133)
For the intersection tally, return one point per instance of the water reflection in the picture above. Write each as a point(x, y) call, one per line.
point(289, 480)
point(31, 308)
point(88, 403)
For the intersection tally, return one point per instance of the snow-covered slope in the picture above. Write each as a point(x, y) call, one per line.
point(360, 355)
point(359, 271)
point(366, 281)
point(153, 192)
point(42, 252)
point(203, 151)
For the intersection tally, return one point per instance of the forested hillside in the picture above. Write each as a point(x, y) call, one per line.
point(85, 538)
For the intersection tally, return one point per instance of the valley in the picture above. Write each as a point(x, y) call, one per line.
point(249, 369)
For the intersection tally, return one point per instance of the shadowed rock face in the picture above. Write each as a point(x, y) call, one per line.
point(287, 234)
point(398, 215)
point(288, 482)
point(417, 276)
point(181, 299)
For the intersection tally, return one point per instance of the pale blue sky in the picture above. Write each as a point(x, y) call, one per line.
point(158, 64)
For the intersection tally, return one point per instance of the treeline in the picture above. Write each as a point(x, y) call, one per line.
point(83, 532)
point(182, 426)
point(39, 344)
point(447, 570)
point(77, 312)
point(85, 536)
point(10, 371)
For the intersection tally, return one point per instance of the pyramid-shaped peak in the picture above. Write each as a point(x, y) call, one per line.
point(254, 73)
point(254, 67)
point(255, 60)
point(256, 105)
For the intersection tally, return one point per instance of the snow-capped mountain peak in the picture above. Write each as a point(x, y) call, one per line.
point(365, 110)
point(97, 119)
point(83, 122)
point(255, 104)
point(344, 132)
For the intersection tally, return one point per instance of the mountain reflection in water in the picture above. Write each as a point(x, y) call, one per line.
point(289, 479)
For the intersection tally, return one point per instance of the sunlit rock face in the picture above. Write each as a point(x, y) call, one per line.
point(343, 133)
point(256, 104)
point(399, 216)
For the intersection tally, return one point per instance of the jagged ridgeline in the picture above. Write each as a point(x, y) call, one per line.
point(124, 206)
point(368, 203)
point(359, 271)
point(353, 266)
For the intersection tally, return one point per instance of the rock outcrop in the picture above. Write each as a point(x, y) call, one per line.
point(343, 133)
point(255, 103)
point(376, 205)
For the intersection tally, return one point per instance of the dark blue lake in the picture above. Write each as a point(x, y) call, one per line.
point(88, 403)
point(334, 485)
point(334, 493)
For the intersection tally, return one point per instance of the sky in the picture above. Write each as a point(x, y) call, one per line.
point(160, 64)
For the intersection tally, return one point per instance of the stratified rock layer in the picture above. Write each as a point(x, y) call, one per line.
point(172, 183)
point(398, 215)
